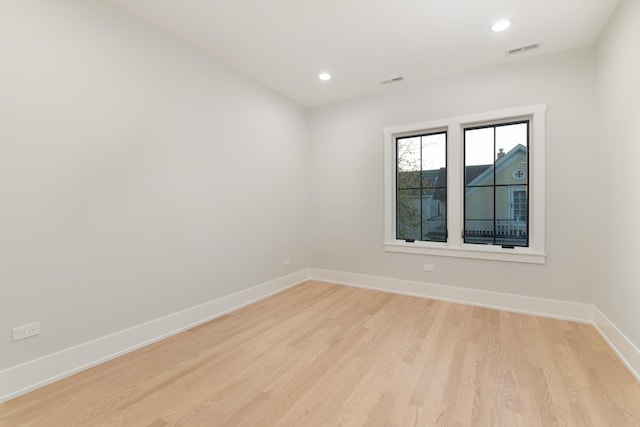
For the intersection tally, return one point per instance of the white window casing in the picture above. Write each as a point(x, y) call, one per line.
point(454, 246)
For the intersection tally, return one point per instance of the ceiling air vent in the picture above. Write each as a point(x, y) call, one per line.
point(523, 49)
point(393, 80)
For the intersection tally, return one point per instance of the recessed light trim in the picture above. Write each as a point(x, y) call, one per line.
point(324, 76)
point(500, 26)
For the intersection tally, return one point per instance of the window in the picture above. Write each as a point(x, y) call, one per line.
point(421, 187)
point(496, 159)
point(470, 186)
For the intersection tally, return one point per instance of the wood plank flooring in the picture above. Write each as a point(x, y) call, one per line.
point(327, 355)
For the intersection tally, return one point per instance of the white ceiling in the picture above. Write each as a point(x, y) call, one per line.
point(285, 44)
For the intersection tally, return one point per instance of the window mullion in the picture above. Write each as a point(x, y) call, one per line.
point(455, 169)
point(495, 203)
point(421, 191)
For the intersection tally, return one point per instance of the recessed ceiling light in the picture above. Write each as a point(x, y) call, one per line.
point(500, 26)
point(324, 76)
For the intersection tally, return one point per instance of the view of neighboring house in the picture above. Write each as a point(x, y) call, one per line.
point(496, 210)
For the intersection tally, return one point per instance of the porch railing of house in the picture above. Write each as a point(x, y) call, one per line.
point(435, 229)
point(503, 228)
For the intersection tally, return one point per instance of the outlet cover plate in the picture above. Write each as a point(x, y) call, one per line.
point(428, 267)
point(25, 331)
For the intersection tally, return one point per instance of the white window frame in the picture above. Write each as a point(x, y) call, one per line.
point(455, 246)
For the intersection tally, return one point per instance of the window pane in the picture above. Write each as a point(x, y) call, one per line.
point(409, 162)
point(434, 214)
point(409, 154)
point(478, 156)
point(511, 154)
point(478, 146)
point(409, 179)
point(478, 175)
point(434, 151)
point(479, 215)
point(408, 214)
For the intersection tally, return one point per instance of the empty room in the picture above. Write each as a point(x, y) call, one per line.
point(296, 213)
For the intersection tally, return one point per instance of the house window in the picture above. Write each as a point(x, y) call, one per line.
point(519, 204)
point(496, 159)
point(469, 187)
point(421, 187)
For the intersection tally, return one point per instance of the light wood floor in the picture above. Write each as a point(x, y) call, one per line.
point(321, 354)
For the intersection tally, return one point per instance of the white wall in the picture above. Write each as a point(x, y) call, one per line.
point(137, 177)
point(347, 176)
point(618, 59)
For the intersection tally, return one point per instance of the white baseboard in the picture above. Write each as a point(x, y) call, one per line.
point(31, 375)
point(28, 376)
point(508, 302)
point(626, 351)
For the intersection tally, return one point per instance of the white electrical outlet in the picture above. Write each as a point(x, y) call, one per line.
point(26, 331)
point(428, 267)
point(286, 261)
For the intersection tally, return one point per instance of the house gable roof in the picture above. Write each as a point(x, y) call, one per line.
point(475, 175)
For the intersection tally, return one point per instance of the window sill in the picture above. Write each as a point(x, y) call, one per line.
point(492, 253)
